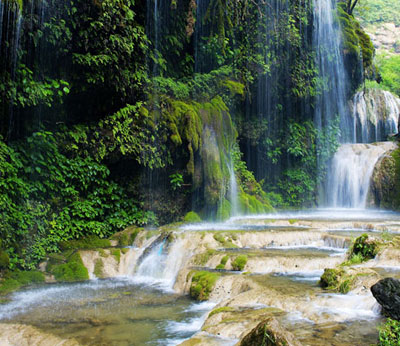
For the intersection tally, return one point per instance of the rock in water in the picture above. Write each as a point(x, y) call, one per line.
point(269, 333)
point(387, 293)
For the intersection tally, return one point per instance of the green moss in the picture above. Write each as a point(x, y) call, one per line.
point(4, 260)
point(192, 217)
point(124, 251)
point(336, 280)
point(235, 88)
point(251, 204)
point(73, 270)
point(219, 238)
point(202, 284)
point(102, 253)
point(92, 242)
point(124, 240)
point(224, 260)
point(202, 259)
point(134, 234)
point(222, 309)
point(17, 279)
point(224, 210)
point(292, 221)
point(98, 268)
point(117, 254)
point(239, 263)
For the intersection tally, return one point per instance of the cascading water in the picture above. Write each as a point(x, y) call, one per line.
point(331, 100)
point(375, 115)
point(350, 173)
point(161, 265)
point(233, 189)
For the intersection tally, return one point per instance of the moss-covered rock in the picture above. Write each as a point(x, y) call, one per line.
point(99, 268)
point(17, 279)
point(269, 333)
point(365, 246)
point(192, 217)
point(202, 284)
point(73, 270)
point(92, 242)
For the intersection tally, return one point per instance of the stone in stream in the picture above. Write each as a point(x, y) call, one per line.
point(387, 293)
point(269, 333)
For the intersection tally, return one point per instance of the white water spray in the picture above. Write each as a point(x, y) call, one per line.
point(350, 173)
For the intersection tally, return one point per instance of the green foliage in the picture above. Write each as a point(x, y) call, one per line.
point(202, 284)
point(389, 333)
point(336, 280)
point(48, 197)
point(379, 11)
point(389, 68)
point(176, 180)
point(239, 263)
point(192, 217)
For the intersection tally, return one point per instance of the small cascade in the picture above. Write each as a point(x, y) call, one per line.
point(375, 115)
point(161, 265)
point(350, 173)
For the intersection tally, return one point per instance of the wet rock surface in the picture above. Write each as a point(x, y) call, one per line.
point(387, 293)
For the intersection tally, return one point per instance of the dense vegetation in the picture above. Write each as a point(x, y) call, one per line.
point(114, 114)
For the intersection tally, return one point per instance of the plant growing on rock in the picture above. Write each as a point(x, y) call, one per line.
point(239, 263)
point(202, 284)
point(365, 246)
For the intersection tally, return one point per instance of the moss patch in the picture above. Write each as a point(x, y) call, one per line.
point(202, 284)
point(17, 279)
point(92, 242)
point(192, 217)
point(73, 270)
point(239, 263)
point(99, 268)
point(222, 309)
point(336, 280)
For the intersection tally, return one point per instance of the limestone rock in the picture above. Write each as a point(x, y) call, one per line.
point(269, 333)
point(387, 293)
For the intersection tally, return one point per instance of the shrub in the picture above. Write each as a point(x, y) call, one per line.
point(389, 333)
point(239, 263)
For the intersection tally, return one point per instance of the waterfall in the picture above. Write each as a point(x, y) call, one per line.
point(350, 173)
point(161, 265)
point(375, 115)
point(233, 189)
point(331, 98)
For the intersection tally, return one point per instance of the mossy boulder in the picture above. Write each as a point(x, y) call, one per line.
point(364, 246)
point(73, 270)
point(202, 284)
point(336, 280)
point(269, 333)
point(192, 217)
point(385, 182)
